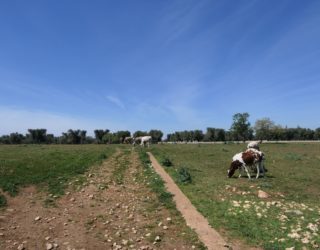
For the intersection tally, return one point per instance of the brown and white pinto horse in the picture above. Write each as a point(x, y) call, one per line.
point(251, 158)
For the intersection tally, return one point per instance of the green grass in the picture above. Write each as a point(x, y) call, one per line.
point(46, 166)
point(232, 206)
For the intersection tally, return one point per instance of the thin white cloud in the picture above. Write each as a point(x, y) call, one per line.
point(116, 101)
point(20, 120)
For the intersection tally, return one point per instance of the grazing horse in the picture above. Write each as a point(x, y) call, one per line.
point(146, 140)
point(251, 158)
point(142, 140)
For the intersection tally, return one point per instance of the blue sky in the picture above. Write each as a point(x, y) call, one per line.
point(169, 65)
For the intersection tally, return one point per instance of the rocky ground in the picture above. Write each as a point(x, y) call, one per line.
point(113, 208)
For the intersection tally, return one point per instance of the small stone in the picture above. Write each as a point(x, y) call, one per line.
point(21, 247)
point(47, 238)
point(157, 239)
point(10, 210)
point(1, 234)
point(72, 199)
point(168, 219)
point(165, 227)
point(37, 218)
point(148, 234)
point(55, 245)
point(160, 224)
point(91, 196)
point(262, 194)
point(49, 246)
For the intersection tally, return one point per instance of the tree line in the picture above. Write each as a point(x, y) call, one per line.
point(101, 136)
point(240, 130)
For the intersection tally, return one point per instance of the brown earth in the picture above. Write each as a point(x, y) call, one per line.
point(104, 212)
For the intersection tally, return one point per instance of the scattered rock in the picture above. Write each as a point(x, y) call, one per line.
point(21, 247)
point(165, 227)
point(47, 238)
point(37, 218)
point(49, 246)
point(148, 234)
point(157, 239)
point(262, 194)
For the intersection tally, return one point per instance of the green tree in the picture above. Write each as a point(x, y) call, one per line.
point(37, 135)
point(16, 138)
point(197, 135)
point(240, 127)
point(140, 133)
point(99, 133)
point(262, 128)
point(317, 134)
point(156, 135)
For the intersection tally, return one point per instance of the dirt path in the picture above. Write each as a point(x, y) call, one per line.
point(112, 209)
point(210, 237)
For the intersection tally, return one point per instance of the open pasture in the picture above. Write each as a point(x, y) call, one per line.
point(46, 166)
point(289, 217)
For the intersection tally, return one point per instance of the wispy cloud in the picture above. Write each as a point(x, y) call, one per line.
point(20, 120)
point(115, 100)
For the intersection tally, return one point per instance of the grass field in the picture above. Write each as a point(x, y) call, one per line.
point(46, 166)
point(289, 217)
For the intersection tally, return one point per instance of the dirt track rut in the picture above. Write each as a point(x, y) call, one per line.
point(112, 209)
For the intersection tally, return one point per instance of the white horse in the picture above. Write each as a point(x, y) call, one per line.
point(143, 140)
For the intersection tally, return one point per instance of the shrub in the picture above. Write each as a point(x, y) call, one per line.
point(184, 175)
point(166, 162)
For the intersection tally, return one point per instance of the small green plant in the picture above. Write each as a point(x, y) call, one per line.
point(3, 201)
point(184, 175)
point(166, 162)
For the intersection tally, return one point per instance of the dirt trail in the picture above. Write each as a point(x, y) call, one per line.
point(210, 237)
point(112, 209)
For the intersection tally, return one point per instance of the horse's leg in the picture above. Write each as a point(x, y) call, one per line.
point(258, 170)
point(245, 168)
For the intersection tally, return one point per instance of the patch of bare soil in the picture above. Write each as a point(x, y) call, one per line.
point(102, 214)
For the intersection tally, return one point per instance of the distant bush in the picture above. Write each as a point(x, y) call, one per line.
point(184, 175)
